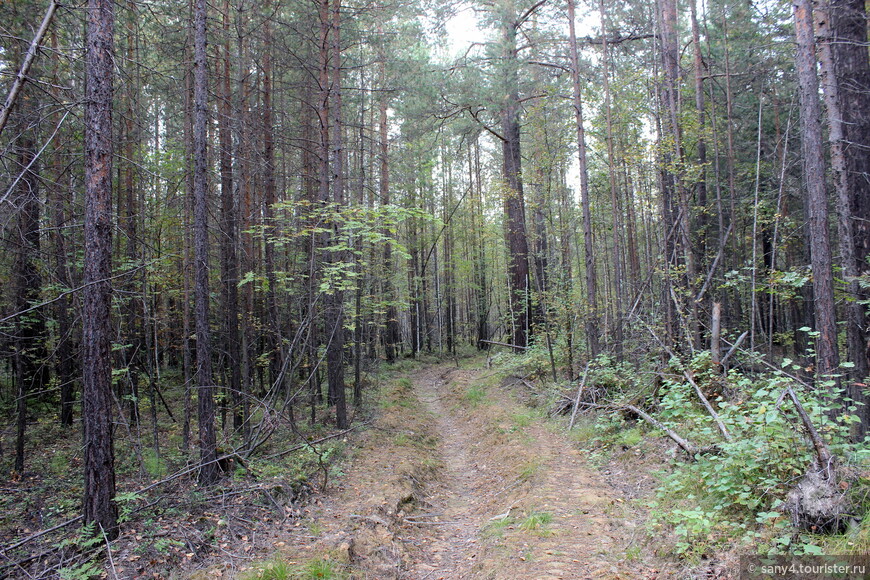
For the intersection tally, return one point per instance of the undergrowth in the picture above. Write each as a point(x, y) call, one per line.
point(731, 497)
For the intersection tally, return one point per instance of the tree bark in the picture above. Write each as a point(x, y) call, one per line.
point(841, 27)
point(229, 237)
point(335, 300)
point(30, 354)
point(827, 357)
point(209, 472)
point(99, 460)
point(588, 249)
point(616, 210)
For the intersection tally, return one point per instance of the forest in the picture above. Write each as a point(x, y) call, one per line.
point(239, 235)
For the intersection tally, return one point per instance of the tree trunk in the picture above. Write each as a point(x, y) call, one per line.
point(514, 200)
point(335, 300)
point(616, 209)
point(209, 472)
point(391, 335)
point(270, 224)
point(30, 354)
point(588, 249)
point(228, 228)
point(827, 358)
point(842, 31)
point(99, 460)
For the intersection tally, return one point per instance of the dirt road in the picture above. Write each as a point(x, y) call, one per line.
point(457, 480)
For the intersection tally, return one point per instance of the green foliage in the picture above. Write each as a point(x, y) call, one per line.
point(279, 569)
point(87, 542)
point(497, 527)
point(85, 571)
point(736, 493)
point(126, 504)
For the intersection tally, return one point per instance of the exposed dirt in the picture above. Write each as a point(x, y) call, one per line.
point(456, 480)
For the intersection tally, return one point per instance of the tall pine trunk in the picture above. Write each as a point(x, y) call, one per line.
point(208, 473)
point(588, 249)
point(827, 357)
point(99, 460)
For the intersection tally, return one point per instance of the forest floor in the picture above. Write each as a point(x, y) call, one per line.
point(457, 479)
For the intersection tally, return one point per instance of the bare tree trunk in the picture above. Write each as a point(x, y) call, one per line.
point(391, 324)
point(99, 461)
point(30, 354)
point(335, 300)
point(481, 309)
point(133, 307)
point(270, 224)
point(588, 249)
point(228, 227)
point(827, 357)
point(209, 472)
point(616, 210)
point(841, 28)
point(514, 200)
point(65, 357)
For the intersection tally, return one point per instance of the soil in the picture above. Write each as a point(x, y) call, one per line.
point(456, 479)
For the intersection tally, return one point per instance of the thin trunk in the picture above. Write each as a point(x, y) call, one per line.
point(589, 251)
point(209, 472)
point(228, 228)
point(64, 368)
point(614, 193)
point(335, 301)
point(30, 355)
point(391, 323)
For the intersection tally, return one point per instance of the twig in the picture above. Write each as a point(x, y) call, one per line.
point(109, 552)
point(322, 439)
point(708, 406)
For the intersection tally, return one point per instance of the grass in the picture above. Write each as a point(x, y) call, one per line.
point(536, 522)
point(523, 419)
point(528, 470)
point(630, 437)
point(495, 528)
point(475, 395)
point(322, 568)
point(278, 569)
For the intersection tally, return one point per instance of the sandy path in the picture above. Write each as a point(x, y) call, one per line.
point(495, 462)
point(457, 480)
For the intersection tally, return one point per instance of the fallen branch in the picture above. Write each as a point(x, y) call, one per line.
point(825, 458)
point(39, 534)
point(708, 406)
point(734, 348)
point(25, 66)
point(690, 449)
point(577, 398)
point(684, 445)
point(505, 344)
